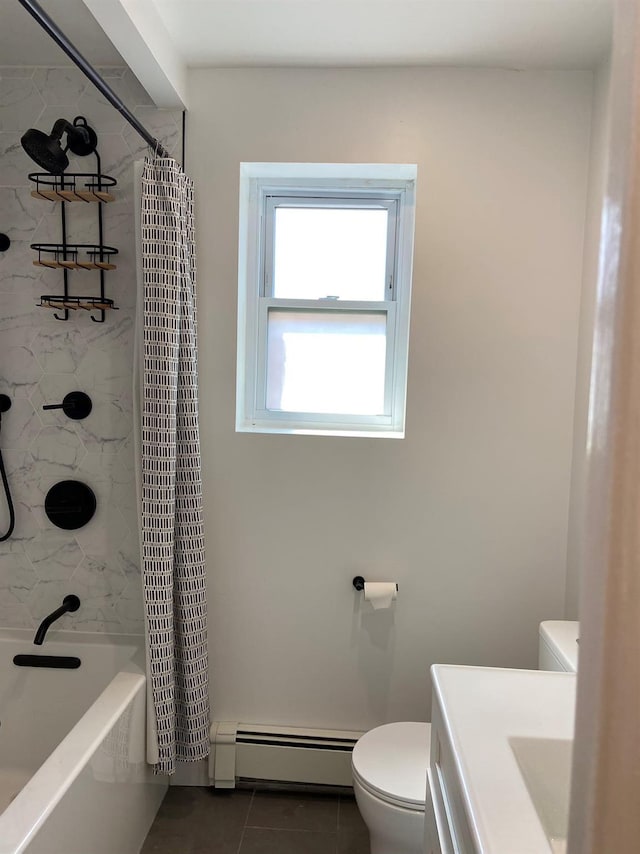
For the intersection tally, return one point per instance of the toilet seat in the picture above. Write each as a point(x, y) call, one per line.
point(386, 798)
point(391, 762)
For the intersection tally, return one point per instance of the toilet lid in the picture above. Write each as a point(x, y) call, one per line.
point(392, 760)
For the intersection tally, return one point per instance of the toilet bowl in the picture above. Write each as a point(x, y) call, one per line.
point(389, 768)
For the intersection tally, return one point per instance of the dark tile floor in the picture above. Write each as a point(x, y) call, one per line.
point(194, 820)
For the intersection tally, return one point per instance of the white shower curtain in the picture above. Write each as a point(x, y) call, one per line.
point(169, 471)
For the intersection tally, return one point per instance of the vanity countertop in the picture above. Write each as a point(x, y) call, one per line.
point(484, 716)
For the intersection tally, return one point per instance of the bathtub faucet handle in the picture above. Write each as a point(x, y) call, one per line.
point(75, 405)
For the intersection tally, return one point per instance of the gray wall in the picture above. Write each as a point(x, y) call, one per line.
point(41, 359)
point(469, 512)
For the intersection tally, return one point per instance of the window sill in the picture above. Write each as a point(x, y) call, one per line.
point(321, 431)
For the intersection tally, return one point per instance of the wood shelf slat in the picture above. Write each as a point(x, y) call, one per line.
point(88, 306)
point(76, 265)
point(73, 195)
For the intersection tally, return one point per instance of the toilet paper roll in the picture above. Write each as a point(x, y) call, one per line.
point(380, 593)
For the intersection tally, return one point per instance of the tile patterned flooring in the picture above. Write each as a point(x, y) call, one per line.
point(194, 820)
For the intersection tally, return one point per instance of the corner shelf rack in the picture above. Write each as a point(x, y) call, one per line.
point(87, 188)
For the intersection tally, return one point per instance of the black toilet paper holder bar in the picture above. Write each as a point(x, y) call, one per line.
point(359, 582)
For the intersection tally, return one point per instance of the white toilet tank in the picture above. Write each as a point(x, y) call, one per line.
point(558, 645)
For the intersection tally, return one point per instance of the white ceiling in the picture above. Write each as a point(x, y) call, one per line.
point(23, 42)
point(159, 39)
point(511, 33)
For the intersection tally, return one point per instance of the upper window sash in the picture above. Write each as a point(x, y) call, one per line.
point(331, 200)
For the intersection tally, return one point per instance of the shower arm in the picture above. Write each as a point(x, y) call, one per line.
point(52, 29)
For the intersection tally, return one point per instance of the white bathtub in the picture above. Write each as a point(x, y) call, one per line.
point(73, 776)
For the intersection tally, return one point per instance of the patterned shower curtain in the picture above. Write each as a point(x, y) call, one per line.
point(172, 537)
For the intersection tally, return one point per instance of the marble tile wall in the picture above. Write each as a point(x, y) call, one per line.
point(41, 359)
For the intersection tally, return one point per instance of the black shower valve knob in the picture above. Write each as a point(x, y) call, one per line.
point(76, 405)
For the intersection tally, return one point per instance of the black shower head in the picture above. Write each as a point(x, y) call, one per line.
point(46, 149)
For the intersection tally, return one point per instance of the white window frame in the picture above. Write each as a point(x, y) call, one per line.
point(262, 187)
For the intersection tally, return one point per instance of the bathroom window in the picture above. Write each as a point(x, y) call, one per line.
point(325, 254)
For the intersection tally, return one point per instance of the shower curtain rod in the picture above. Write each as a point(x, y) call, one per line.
point(47, 24)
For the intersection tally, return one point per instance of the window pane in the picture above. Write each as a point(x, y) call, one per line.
point(326, 361)
point(330, 252)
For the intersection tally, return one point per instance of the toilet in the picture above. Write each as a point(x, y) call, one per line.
point(389, 768)
point(389, 763)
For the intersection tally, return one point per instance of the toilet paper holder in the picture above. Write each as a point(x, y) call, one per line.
point(359, 582)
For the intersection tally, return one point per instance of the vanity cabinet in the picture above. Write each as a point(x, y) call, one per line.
point(447, 825)
point(499, 771)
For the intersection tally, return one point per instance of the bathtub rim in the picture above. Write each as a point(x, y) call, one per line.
point(69, 636)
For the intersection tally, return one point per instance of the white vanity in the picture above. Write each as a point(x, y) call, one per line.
point(501, 740)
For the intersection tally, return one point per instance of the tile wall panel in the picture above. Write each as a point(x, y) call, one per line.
point(41, 359)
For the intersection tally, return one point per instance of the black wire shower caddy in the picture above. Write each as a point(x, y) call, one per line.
point(66, 188)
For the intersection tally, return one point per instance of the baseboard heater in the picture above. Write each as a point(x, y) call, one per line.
point(281, 754)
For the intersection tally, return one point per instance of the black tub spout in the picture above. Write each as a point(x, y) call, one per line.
point(69, 603)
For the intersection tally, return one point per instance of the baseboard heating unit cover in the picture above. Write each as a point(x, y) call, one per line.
point(283, 754)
